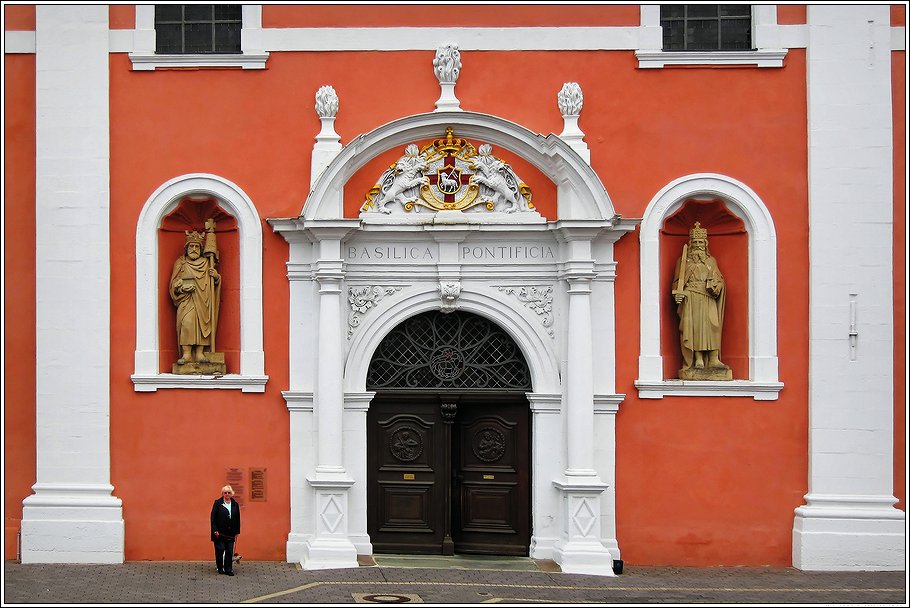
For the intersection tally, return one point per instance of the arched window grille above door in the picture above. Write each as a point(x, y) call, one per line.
point(454, 350)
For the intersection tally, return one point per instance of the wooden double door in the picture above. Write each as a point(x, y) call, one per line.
point(449, 473)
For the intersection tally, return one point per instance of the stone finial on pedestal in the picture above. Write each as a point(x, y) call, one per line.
point(328, 143)
point(570, 101)
point(447, 66)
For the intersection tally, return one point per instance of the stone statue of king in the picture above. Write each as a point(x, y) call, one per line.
point(195, 289)
point(699, 292)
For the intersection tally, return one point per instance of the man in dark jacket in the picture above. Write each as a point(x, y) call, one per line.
point(225, 521)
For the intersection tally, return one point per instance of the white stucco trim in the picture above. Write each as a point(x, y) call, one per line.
point(742, 201)
point(143, 54)
point(580, 193)
point(234, 200)
point(768, 53)
point(530, 336)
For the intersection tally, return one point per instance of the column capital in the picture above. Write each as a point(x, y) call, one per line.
point(330, 230)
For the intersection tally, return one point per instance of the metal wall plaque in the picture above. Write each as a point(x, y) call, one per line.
point(408, 476)
point(234, 477)
point(258, 484)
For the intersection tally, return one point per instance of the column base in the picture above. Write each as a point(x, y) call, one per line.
point(325, 552)
point(580, 549)
point(849, 533)
point(72, 525)
point(583, 557)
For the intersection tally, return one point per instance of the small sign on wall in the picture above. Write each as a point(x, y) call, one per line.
point(258, 484)
point(235, 478)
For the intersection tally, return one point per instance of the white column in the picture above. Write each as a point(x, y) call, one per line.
point(72, 517)
point(849, 521)
point(579, 549)
point(579, 380)
point(331, 545)
point(330, 366)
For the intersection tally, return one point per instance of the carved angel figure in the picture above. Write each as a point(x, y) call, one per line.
point(401, 182)
point(498, 181)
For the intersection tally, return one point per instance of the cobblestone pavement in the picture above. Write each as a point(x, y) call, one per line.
point(282, 583)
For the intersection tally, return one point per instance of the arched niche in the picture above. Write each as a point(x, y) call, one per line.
point(742, 202)
point(151, 294)
point(580, 193)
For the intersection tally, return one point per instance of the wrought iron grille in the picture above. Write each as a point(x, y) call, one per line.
point(454, 350)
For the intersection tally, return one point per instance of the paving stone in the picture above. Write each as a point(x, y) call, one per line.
point(283, 583)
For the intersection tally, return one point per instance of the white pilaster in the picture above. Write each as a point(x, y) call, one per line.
point(72, 517)
point(579, 548)
point(330, 546)
point(848, 521)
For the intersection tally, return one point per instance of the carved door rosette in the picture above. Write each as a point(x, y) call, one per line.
point(538, 298)
point(362, 299)
point(488, 444)
point(405, 444)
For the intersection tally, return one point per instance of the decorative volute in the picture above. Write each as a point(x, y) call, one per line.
point(328, 143)
point(447, 66)
point(570, 101)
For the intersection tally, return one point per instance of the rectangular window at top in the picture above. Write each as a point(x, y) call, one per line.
point(706, 27)
point(197, 28)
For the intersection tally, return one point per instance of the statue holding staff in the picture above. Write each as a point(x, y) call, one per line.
point(700, 294)
point(195, 289)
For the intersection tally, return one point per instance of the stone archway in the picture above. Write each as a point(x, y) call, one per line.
point(448, 439)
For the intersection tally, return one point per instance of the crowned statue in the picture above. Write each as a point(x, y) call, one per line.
point(195, 289)
point(700, 293)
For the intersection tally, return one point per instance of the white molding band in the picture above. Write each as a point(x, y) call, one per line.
point(72, 517)
point(165, 199)
point(143, 57)
point(740, 200)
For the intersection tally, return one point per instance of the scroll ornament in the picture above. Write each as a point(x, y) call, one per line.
point(362, 300)
point(538, 299)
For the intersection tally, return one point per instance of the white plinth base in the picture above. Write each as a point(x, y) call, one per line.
point(325, 553)
point(866, 535)
point(84, 526)
point(583, 557)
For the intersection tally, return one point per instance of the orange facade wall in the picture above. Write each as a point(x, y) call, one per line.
point(18, 17)
point(698, 480)
point(791, 14)
point(899, 126)
point(449, 15)
point(19, 301)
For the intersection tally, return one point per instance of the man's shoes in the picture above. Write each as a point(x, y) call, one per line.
point(220, 571)
point(231, 573)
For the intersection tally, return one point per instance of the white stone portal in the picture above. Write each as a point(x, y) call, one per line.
point(358, 279)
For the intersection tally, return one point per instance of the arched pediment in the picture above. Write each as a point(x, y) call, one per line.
point(581, 194)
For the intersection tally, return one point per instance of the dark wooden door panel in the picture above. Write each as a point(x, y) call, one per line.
point(439, 483)
point(406, 484)
point(492, 459)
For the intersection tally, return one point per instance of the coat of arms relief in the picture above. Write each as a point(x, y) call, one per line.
point(449, 174)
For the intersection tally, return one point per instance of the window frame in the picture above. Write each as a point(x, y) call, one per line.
point(767, 53)
point(251, 55)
